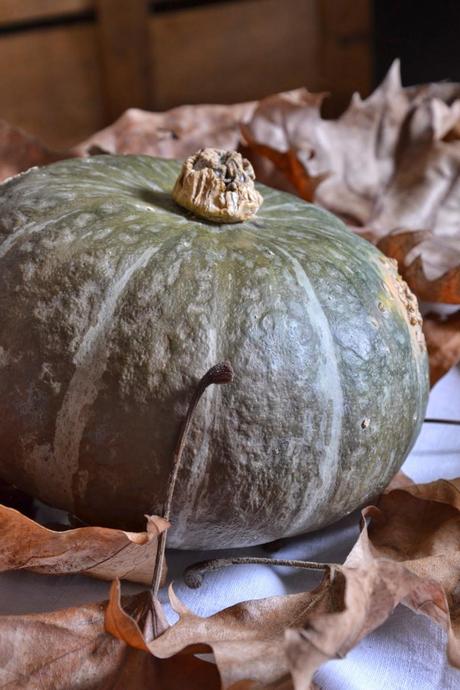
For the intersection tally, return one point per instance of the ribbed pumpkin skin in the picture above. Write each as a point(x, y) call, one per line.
point(114, 302)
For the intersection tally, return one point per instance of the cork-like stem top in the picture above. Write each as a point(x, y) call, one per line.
point(218, 186)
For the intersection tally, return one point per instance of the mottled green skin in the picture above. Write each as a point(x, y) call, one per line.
point(113, 303)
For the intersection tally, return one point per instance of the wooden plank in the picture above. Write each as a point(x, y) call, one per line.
point(123, 39)
point(233, 51)
point(346, 52)
point(52, 85)
point(19, 11)
point(341, 18)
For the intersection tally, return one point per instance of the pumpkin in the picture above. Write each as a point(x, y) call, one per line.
point(114, 300)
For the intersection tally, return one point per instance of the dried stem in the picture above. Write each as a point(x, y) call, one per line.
point(220, 373)
point(193, 575)
point(432, 420)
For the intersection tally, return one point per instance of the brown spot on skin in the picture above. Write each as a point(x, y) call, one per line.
point(400, 289)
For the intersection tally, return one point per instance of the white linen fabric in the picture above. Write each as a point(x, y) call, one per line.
point(407, 652)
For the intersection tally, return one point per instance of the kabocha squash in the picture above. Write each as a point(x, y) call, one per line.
point(114, 300)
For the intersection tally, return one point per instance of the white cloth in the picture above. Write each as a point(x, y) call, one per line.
point(407, 652)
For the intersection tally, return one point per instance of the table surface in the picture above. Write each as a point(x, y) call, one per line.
point(408, 651)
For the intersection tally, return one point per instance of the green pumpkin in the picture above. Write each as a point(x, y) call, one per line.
point(113, 303)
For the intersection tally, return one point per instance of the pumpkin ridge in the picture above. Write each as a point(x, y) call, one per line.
point(90, 361)
point(331, 382)
point(199, 469)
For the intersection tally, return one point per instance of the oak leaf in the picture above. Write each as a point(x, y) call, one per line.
point(70, 650)
point(98, 551)
point(176, 133)
point(280, 642)
point(419, 528)
point(20, 151)
point(409, 553)
point(439, 255)
point(389, 161)
point(442, 335)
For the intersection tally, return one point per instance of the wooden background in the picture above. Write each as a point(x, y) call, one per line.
point(70, 67)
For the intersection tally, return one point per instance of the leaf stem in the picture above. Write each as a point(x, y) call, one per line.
point(220, 374)
point(432, 420)
point(193, 575)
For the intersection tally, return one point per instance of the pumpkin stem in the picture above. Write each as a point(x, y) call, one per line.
point(218, 185)
point(220, 373)
point(193, 575)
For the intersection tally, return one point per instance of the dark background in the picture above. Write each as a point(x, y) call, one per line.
point(424, 35)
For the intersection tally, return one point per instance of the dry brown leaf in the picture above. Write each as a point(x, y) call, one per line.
point(441, 491)
point(265, 640)
point(409, 554)
point(348, 161)
point(176, 133)
point(70, 650)
point(399, 481)
point(121, 624)
point(419, 527)
point(126, 626)
point(141, 625)
point(377, 165)
point(246, 639)
point(442, 255)
point(98, 551)
point(361, 599)
point(442, 335)
point(20, 151)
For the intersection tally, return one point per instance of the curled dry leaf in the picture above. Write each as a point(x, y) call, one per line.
point(441, 491)
point(20, 151)
point(70, 650)
point(399, 481)
point(98, 551)
point(419, 528)
point(272, 642)
point(127, 628)
point(359, 600)
point(440, 255)
point(141, 625)
point(443, 342)
point(246, 639)
point(389, 161)
point(409, 554)
point(176, 133)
